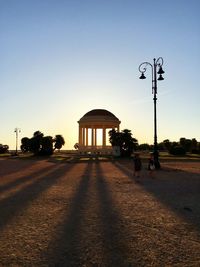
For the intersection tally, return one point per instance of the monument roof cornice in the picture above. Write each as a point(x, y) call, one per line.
point(99, 115)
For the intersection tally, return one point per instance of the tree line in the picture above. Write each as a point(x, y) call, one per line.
point(128, 144)
point(39, 144)
point(180, 147)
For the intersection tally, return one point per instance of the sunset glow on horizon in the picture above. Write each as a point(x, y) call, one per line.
point(61, 59)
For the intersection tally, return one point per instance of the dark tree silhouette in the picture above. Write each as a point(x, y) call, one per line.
point(25, 144)
point(40, 144)
point(35, 142)
point(124, 140)
point(59, 141)
point(167, 144)
point(3, 149)
point(46, 146)
point(144, 146)
point(114, 137)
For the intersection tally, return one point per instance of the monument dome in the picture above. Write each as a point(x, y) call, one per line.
point(90, 124)
point(99, 114)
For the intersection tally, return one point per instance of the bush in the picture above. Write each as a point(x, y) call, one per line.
point(3, 149)
point(177, 150)
point(195, 151)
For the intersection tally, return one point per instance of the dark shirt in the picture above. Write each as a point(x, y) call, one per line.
point(137, 164)
point(151, 165)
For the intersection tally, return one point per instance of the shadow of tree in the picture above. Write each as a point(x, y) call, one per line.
point(13, 166)
point(23, 178)
point(14, 205)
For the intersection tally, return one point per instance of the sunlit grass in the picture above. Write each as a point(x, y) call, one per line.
point(5, 155)
point(63, 156)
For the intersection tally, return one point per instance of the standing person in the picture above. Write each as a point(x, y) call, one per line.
point(151, 164)
point(137, 165)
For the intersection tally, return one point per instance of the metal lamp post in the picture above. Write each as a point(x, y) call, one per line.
point(156, 68)
point(17, 131)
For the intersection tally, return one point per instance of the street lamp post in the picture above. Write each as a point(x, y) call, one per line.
point(156, 68)
point(17, 131)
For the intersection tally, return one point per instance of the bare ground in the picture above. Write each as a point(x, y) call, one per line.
point(95, 213)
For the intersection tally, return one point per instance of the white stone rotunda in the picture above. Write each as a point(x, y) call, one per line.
point(94, 122)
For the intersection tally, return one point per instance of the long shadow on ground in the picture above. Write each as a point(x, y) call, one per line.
point(114, 232)
point(20, 180)
point(180, 194)
point(15, 204)
point(13, 166)
point(64, 249)
point(68, 248)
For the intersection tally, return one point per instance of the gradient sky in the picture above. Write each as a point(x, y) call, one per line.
point(60, 59)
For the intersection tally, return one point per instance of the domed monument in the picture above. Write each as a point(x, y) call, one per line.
point(90, 123)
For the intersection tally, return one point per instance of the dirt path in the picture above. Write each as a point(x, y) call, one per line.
point(95, 213)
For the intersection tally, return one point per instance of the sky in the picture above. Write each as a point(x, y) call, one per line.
point(60, 59)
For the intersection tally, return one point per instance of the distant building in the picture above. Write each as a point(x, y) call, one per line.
point(89, 124)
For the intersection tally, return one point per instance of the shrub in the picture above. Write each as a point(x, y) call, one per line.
point(3, 149)
point(177, 150)
point(195, 151)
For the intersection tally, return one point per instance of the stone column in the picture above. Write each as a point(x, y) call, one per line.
point(86, 136)
point(104, 136)
point(83, 136)
point(95, 137)
point(92, 136)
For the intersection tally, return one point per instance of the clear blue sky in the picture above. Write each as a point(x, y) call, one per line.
point(62, 58)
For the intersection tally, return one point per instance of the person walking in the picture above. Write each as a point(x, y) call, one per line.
point(151, 164)
point(137, 165)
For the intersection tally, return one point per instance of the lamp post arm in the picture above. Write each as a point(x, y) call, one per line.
point(159, 62)
point(143, 66)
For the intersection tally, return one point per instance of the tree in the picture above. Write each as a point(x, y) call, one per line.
point(144, 146)
point(186, 144)
point(40, 144)
point(167, 144)
point(128, 143)
point(194, 144)
point(161, 146)
point(124, 140)
point(114, 137)
point(25, 144)
point(59, 141)
point(46, 146)
point(3, 149)
point(35, 142)
point(177, 150)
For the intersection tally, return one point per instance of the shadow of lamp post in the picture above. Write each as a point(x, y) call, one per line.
point(17, 131)
point(156, 68)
